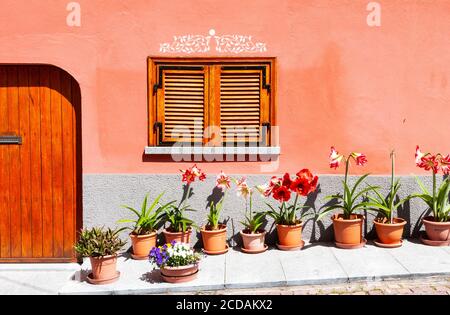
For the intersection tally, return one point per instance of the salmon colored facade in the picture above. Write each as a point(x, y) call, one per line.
point(339, 81)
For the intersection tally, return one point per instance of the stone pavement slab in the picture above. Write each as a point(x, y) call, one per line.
point(422, 260)
point(34, 279)
point(250, 270)
point(313, 264)
point(369, 263)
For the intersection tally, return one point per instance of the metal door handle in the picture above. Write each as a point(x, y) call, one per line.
point(10, 139)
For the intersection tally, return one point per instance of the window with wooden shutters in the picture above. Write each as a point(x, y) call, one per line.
point(210, 101)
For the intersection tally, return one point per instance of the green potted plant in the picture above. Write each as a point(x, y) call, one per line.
point(177, 262)
point(143, 233)
point(389, 229)
point(101, 246)
point(348, 224)
point(214, 233)
point(437, 226)
point(180, 228)
point(253, 235)
point(289, 224)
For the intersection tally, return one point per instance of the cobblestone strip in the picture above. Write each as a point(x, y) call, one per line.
point(419, 286)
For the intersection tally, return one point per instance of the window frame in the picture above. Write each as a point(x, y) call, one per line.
point(153, 79)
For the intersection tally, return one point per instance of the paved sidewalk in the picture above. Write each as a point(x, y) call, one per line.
point(318, 263)
point(35, 279)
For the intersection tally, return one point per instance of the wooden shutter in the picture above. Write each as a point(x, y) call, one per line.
point(244, 104)
point(181, 104)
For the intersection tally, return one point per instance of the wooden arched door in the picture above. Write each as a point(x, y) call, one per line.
point(39, 163)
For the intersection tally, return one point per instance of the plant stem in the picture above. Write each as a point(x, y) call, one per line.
point(434, 197)
point(392, 184)
point(347, 165)
point(295, 206)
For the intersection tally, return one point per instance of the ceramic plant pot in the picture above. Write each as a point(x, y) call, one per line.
point(348, 232)
point(214, 241)
point(390, 233)
point(290, 235)
point(253, 241)
point(142, 244)
point(437, 231)
point(104, 268)
point(179, 237)
point(179, 274)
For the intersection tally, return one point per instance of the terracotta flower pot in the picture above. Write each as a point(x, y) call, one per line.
point(348, 231)
point(437, 231)
point(179, 274)
point(179, 237)
point(390, 233)
point(254, 241)
point(142, 244)
point(104, 268)
point(214, 240)
point(290, 235)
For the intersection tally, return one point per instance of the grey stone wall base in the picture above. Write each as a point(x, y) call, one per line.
point(103, 194)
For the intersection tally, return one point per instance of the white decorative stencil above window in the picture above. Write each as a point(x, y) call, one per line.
point(225, 44)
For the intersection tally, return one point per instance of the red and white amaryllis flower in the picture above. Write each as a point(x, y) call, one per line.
point(223, 181)
point(435, 162)
point(360, 158)
point(335, 158)
point(445, 164)
point(243, 190)
point(189, 175)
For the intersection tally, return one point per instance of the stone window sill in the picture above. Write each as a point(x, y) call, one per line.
point(213, 150)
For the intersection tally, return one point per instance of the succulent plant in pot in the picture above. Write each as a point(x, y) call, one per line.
point(178, 262)
point(101, 246)
point(437, 226)
point(143, 233)
point(389, 228)
point(180, 228)
point(289, 224)
point(348, 224)
point(253, 235)
point(214, 233)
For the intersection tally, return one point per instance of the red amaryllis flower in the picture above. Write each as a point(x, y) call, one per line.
point(359, 158)
point(190, 174)
point(223, 181)
point(282, 193)
point(305, 183)
point(286, 180)
point(445, 164)
point(335, 158)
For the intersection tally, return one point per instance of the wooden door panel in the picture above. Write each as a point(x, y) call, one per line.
point(39, 177)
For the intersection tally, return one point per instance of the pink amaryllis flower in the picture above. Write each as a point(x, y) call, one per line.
point(335, 158)
point(223, 181)
point(189, 175)
point(360, 158)
point(243, 189)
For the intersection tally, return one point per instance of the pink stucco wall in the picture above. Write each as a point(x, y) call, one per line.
point(340, 82)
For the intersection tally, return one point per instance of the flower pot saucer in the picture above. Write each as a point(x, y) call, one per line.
point(91, 279)
point(136, 257)
point(175, 279)
point(253, 251)
point(378, 243)
point(215, 252)
point(351, 246)
point(425, 240)
point(291, 248)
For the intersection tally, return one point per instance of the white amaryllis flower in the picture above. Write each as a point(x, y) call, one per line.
point(242, 188)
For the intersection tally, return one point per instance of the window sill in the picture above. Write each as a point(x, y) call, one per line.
point(213, 150)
